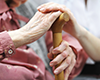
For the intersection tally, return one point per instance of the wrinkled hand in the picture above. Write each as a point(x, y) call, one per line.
point(66, 56)
point(34, 29)
point(71, 26)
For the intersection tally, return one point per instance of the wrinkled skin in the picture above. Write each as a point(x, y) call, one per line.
point(66, 54)
point(34, 29)
point(37, 27)
point(71, 26)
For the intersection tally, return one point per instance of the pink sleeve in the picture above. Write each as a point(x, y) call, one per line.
point(81, 54)
point(7, 47)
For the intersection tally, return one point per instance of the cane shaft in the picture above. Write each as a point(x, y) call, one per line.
point(57, 38)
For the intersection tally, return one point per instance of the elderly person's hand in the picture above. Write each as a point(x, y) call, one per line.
point(71, 26)
point(34, 29)
point(66, 56)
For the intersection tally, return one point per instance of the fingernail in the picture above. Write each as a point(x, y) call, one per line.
point(54, 50)
point(42, 9)
point(55, 72)
point(50, 7)
point(51, 64)
point(39, 7)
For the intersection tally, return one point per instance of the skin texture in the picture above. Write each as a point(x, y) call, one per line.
point(89, 42)
point(64, 49)
point(66, 55)
point(71, 26)
point(37, 27)
point(34, 29)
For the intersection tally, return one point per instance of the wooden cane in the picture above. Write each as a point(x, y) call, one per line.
point(57, 37)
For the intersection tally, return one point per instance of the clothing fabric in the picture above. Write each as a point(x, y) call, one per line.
point(7, 48)
point(24, 64)
point(87, 16)
point(28, 10)
point(30, 7)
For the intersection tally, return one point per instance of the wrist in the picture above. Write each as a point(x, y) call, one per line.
point(81, 33)
point(17, 37)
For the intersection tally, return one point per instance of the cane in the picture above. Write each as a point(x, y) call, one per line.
point(57, 37)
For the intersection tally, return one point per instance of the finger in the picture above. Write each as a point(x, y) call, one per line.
point(69, 69)
point(51, 49)
point(64, 45)
point(63, 65)
point(59, 58)
point(52, 7)
point(48, 20)
point(43, 5)
point(43, 24)
point(50, 55)
point(55, 7)
point(37, 17)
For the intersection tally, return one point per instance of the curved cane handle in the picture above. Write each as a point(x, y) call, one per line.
point(57, 37)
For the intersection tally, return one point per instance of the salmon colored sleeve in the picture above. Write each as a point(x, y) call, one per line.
point(7, 47)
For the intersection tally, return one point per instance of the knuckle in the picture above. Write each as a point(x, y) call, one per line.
point(60, 69)
point(65, 44)
point(54, 16)
point(59, 51)
point(55, 62)
point(68, 60)
point(64, 54)
point(50, 50)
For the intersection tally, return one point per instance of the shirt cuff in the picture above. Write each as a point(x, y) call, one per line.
point(7, 48)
